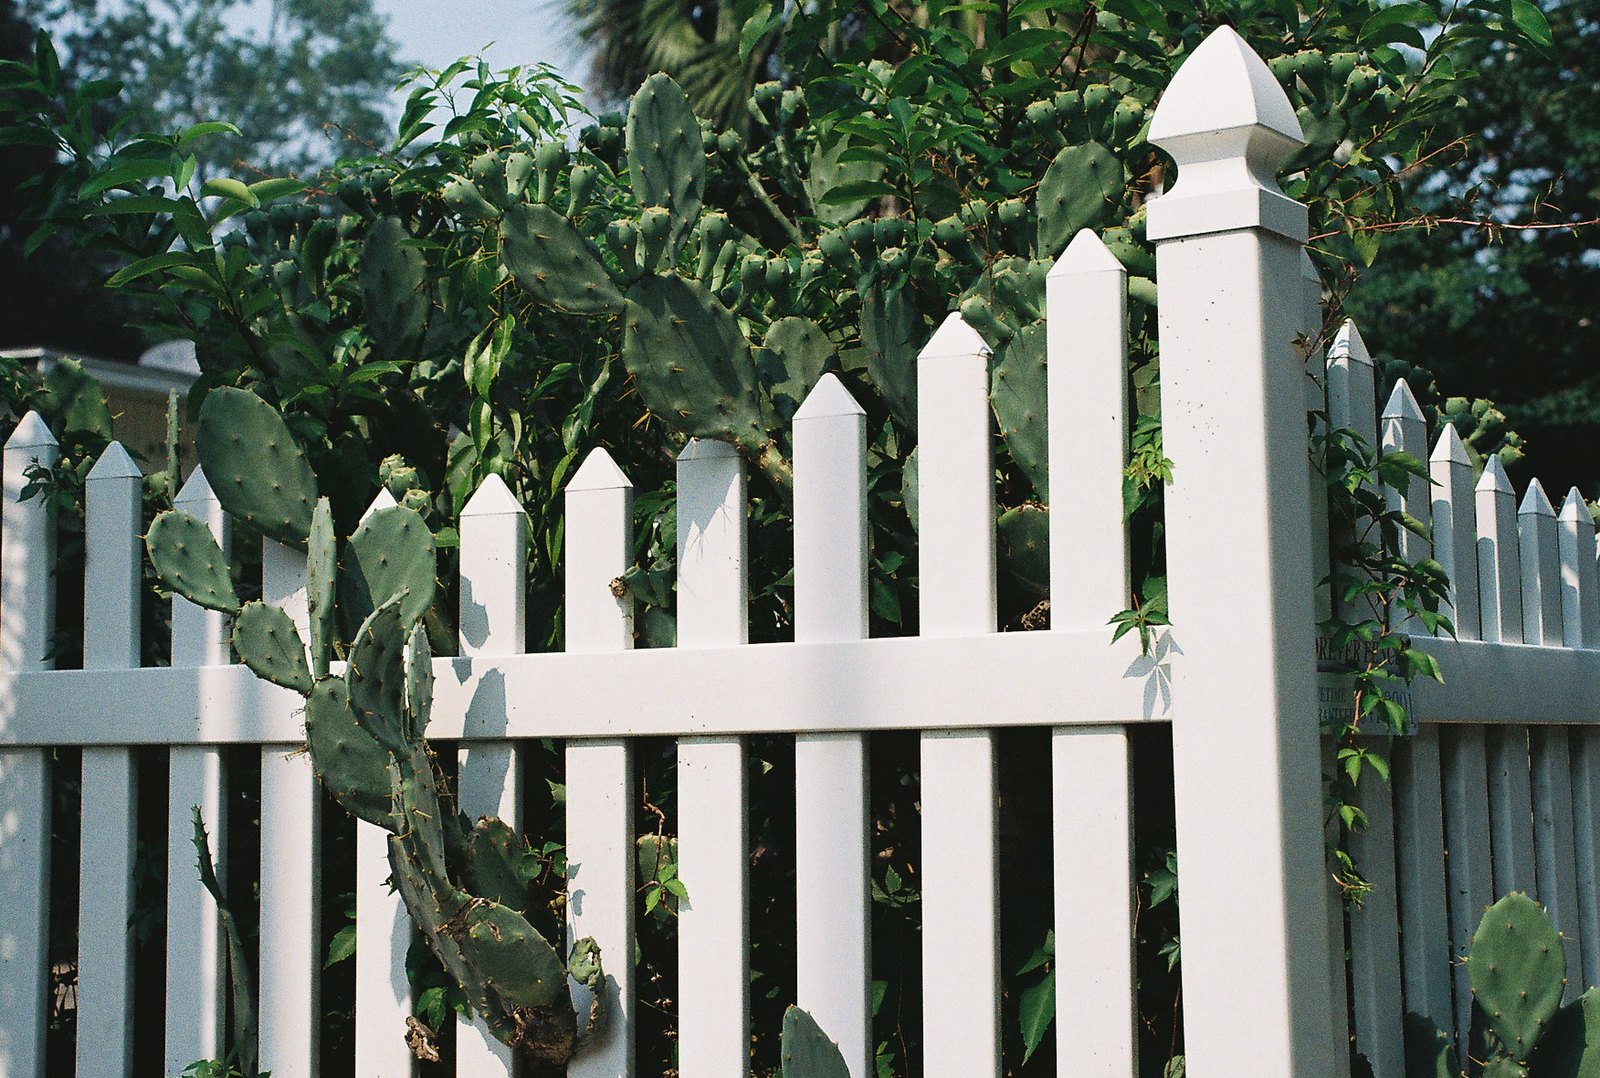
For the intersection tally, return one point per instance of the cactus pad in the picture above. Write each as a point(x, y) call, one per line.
point(419, 683)
point(393, 282)
point(807, 1051)
point(1017, 388)
point(553, 263)
point(189, 561)
point(1518, 972)
point(350, 763)
point(1429, 1053)
point(1082, 188)
point(495, 853)
point(666, 163)
point(391, 552)
point(891, 333)
point(511, 956)
point(268, 643)
point(256, 467)
point(376, 675)
point(1024, 534)
point(794, 355)
point(691, 363)
point(322, 570)
point(1571, 1046)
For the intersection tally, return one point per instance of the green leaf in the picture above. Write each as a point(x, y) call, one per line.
point(205, 130)
point(121, 175)
point(1531, 21)
point(1037, 1010)
point(277, 187)
point(857, 191)
point(146, 266)
point(230, 188)
point(342, 946)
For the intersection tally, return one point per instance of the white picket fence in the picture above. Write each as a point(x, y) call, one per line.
point(1494, 792)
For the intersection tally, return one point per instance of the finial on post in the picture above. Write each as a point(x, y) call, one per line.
point(1227, 123)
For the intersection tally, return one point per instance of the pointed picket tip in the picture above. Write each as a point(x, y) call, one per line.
point(32, 433)
point(492, 499)
point(1223, 85)
point(1450, 449)
point(114, 463)
point(706, 449)
point(830, 399)
point(384, 500)
point(599, 472)
point(1575, 510)
point(1535, 502)
point(954, 338)
point(197, 488)
point(1494, 476)
point(1402, 403)
point(1087, 253)
point(1347, 344)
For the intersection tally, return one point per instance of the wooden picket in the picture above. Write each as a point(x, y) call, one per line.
point(1497, 789)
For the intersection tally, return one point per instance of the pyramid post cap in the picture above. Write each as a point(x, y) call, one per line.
point(1494, 476)
point(1348, 344)
point(599, 472)
point(1535, 502)
point(828, 400)
point(1450, 449)
point(32, 433)
point(1575, 510)
point(1223, 86)
point(114, 463)
point(954, 337)
point(697, 449)
point(1087, 253)
point(492, 499)
point(1402, 403)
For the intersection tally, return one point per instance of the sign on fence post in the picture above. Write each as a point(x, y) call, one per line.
point(1245, 740)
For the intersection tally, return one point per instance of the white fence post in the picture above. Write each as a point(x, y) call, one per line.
point(383, 935)
point(1086, 297)
point(1245, 739)
point(832, 900)
point(600, 790)
point(27, 621)
point(291, 865)
point(195, 992)
point(713, 824)
point(113, 573)
point(956, 548)
point(493, 622)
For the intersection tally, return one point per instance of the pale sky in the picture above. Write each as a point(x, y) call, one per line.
point(522, 32)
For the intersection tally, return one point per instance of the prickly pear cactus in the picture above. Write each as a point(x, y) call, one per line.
point(807, 1051)
point(665, 162)
point(256, 467)
point(365, 729)
point(186, 556)
point(1518, 972)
